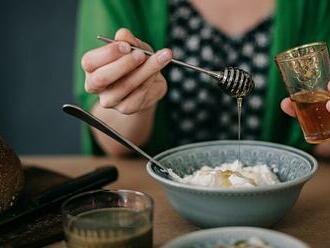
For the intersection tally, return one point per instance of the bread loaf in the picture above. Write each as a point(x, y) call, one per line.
point(11, 176)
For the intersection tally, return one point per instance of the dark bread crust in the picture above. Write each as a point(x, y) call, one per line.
point(11, 176)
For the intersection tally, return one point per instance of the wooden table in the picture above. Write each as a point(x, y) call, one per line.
point(309, 220)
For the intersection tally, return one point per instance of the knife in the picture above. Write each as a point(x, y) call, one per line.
point(56, 195)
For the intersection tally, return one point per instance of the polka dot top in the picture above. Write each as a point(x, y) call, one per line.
point(198, 111)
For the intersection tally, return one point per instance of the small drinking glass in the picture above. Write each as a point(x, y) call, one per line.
point(305, 71)
point(108, 218)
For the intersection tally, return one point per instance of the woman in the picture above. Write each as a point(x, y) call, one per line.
point(177, 106)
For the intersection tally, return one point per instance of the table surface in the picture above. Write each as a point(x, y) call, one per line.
point(309, 220)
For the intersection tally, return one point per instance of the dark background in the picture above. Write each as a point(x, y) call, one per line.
point(37, 44)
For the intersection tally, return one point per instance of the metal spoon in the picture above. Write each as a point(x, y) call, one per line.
point(233, 81)
point(100, 125)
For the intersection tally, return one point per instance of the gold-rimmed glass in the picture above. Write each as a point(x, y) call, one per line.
point(305, 71)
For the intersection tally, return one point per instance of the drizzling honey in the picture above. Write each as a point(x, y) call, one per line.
point(239, 114)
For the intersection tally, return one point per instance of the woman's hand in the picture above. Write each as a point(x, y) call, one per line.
point(126, 80)
point(288, 108)
point(321, 150)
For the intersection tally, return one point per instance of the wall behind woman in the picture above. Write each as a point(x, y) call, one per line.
point(37, 44)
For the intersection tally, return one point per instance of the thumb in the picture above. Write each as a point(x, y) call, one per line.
point(287, 107)
point(328, 106)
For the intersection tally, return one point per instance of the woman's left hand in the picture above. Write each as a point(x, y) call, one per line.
point(323, 149)
point(288, 108)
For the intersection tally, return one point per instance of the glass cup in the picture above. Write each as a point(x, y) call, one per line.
point(305, 71)
point(108, 218)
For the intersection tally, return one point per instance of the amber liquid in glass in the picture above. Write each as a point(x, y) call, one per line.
point(313, 115)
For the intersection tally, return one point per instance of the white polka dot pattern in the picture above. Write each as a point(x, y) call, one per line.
point(198, 110)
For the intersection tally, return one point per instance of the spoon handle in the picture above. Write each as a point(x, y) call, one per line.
point(175, 61)
point(100, 125)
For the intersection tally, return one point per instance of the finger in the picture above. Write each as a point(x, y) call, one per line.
point(328, 106)
point(328, 102)
point(287, 107)
point(103, 55)
point(108, 74)
point(127, 85)
point(131, 104)
point(109, 98)
point(124, 34)
point(144, 45)
point(142, 98)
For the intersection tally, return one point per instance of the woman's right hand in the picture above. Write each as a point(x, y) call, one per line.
point(126, 80)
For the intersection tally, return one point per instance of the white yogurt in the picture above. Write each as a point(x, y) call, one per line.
point(230, 175)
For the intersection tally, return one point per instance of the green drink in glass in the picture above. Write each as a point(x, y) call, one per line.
point(102, 219)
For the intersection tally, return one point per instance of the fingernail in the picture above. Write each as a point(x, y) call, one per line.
point(124, 47)
point(164, 56)
point(138, 55)
point(139, 42)
point(328, 106)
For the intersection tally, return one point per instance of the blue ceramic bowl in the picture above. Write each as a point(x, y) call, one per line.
point(211, 238)
point(214, 207)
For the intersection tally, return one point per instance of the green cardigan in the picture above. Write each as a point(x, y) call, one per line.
point(296, 22)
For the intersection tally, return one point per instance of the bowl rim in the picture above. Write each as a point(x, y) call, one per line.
point(279, 186)
point(201, 233)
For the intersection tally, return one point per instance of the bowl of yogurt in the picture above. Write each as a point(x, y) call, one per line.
point(213, 185)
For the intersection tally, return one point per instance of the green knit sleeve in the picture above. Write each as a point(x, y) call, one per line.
point(105, 17)
point(94, 18)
